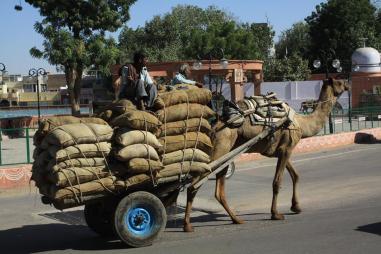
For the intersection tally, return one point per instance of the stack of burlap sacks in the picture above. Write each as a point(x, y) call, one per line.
point(135, 157)
point(70, 159)
point(79, 157)
point(172, 141)
point(185, 131)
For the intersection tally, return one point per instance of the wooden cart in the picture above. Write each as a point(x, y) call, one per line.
point(138, 215)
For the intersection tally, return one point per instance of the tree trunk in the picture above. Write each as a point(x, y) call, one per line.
point(77, 92)
point(74, 89)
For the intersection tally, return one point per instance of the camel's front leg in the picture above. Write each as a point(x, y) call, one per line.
point(295, 181)
point(282, 161)
point(221, 197)
point(191, 193)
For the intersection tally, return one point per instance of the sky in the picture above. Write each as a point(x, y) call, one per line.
point(17, 35)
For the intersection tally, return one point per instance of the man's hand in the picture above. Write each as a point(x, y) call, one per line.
point(199, 85)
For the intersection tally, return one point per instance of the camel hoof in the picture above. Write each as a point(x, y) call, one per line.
point(238, 221)
point(277, 216)
point(188, 228)
point(296, 209)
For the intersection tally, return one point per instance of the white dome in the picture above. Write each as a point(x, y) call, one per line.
point(367, 59)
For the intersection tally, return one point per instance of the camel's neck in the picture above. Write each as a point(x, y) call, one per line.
point(313, 123)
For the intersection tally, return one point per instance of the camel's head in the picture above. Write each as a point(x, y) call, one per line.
point(338, 85)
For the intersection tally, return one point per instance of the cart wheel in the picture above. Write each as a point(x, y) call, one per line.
point(98, 217)
point(139, 218)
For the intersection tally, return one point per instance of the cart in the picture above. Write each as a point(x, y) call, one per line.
point(138, 215)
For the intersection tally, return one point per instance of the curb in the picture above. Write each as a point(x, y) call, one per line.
point(15, 177)
point(19, 176)
point(319, 143)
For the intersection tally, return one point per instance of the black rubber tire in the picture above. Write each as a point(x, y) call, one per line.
point(99, 217)
point(133, 202)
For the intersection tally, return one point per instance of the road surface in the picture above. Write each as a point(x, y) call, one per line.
point(340, 195)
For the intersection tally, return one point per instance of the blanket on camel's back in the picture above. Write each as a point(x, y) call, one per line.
point(262, 110)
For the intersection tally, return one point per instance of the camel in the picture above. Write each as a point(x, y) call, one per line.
point(280, 145)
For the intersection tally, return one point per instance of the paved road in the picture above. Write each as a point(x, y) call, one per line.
point(340, 194)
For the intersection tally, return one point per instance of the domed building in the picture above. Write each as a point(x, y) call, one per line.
point(366, 77)
point(366, 60)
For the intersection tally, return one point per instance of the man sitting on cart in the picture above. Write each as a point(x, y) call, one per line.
point(136, 83)
point(182, 77)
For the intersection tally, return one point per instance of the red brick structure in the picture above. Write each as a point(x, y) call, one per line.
point(236, 73)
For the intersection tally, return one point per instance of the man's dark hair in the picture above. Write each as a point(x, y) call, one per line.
point(138, 56)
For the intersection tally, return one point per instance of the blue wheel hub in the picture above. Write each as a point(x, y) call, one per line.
point(139, 221)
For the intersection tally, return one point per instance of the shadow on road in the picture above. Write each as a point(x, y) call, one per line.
point(366, 138)
point(374, 228)
point(52, 237)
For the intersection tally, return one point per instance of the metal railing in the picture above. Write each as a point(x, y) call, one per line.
point(16, 144)
point(354, 120)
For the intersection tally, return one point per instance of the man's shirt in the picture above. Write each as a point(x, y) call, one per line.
point(144, 75)
point(181, 79)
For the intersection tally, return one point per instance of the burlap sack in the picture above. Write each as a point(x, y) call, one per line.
point(50, 123)
point(106, 115)
point(77, 133)
point(175, 143)
point(118, 107)
point(39, 178)
point(36, 152)
point(137, 179)
point(185, 87)
point(184, 111)
point(140, 166)
point(127, 137)
point(184, 168)
point(199, 96)
point(104, 185)
point(122, 106)
point(136, 151)
point(42, 160)
point(47, 189)
point(137, 120)
point(72, 176)
point(186, 155)
point(79, 162)
point(80, 151)
point(179, 127)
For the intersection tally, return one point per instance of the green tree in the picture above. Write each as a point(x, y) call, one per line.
point(164, 37)
point(339, 25)
point(294, 41)
point(188, 31)
point(292, 68)
point(74, 32)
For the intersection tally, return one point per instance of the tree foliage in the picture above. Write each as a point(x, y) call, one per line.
point(339, 25)
point(188, 31)
point(74, 32)
point(294, 41)
point(293, 68)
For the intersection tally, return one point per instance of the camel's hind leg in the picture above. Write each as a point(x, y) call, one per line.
point(221, 197)
point(281, 165)
point(295, 181)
